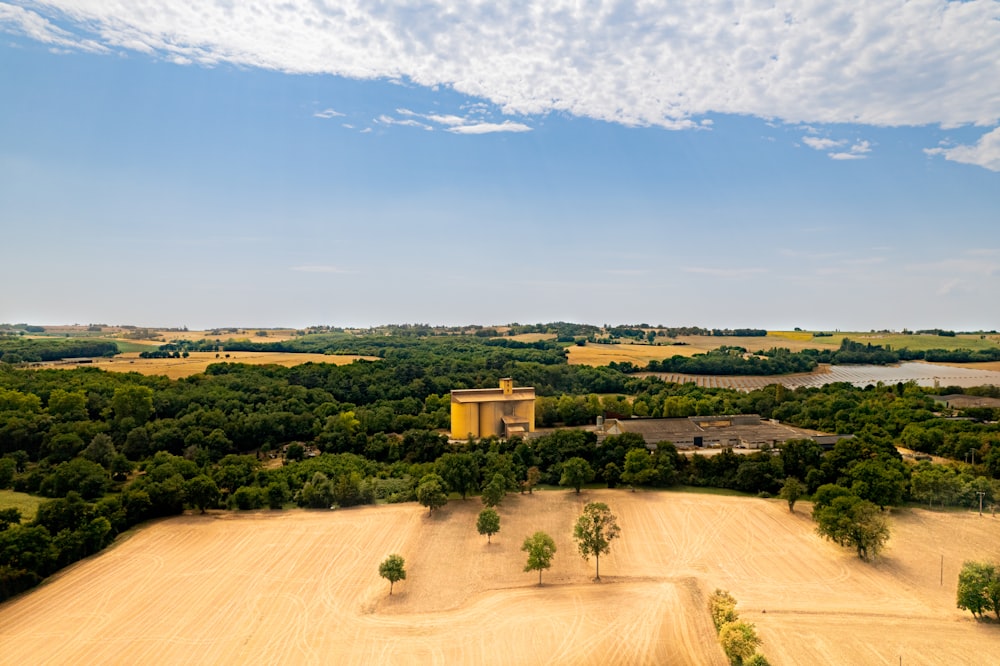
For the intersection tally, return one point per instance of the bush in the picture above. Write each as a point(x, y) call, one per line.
point(247, 498)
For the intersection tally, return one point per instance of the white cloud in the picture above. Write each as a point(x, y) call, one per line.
point(488, 128)
point(454, 124)
point(882, 63)
point(821, 144)
point(328, 113)
point(846, 156)
point(23, 21)
point(984, 153)
point(857, 151)
point(408, 122)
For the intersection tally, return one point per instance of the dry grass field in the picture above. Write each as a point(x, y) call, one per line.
point(302, 587)
point(175, 368)
point(598, 354)
point(641, 354)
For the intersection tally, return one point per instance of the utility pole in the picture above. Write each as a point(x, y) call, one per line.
point(980, 493)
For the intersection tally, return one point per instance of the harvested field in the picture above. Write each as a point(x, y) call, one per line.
point(176, 368)
point(302, 587)
point(532, 337)
point(598, 354)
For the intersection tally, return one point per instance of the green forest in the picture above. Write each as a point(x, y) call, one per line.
point(109, 451)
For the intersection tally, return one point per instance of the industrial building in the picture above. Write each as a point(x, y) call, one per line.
point(740, 431)
point(502, 412)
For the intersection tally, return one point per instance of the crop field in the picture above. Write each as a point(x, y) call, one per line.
point(175, 368)
point(302, 587)
point(598, 354)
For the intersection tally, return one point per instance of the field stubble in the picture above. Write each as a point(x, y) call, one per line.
point(302, 587)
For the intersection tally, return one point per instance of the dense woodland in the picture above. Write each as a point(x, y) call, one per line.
point(112, 450)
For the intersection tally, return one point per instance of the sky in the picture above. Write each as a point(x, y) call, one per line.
point(695, 162)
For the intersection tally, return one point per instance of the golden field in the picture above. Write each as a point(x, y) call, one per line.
point(176, 368)
point(302, 587)
point(598, 354)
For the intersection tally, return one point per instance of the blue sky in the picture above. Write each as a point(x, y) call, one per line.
point(288, 164)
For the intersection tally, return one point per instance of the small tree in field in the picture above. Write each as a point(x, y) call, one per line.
point(430, 492)
point(594, 531)
point(791, 491)
point(979, 588)
point(393, 569)
point(540, 548)
point(848, 520)
point(488, 523)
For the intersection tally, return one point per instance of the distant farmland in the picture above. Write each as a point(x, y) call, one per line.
point(176, 368)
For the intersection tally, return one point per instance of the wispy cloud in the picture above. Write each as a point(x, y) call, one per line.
point(489, 128)
point(984, 153)
point(858, 151)
point(319, 268)
point(883, 63)
point(949, 287)
point(981, 268)
point(821, 144)
point(328, 113)
point(725, 272)
point(405, 122)
point(457, 124)
point(19, 20)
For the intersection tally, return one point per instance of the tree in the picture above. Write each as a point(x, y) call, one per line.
point(531, 480)
point(133, 401)
point(7, 469)
point(101, 450)
point(639, 468)
point(791, 491)
point(494, 491)
point(594, 531)
point(430, 492)
point(848, 520)
point(979, 588)
point(739, 641)
point(393, 569)
point(576, 472)
point(201, 492)
point(295, 452)
point(488, 523)
point(540, 548)
point(460, 471)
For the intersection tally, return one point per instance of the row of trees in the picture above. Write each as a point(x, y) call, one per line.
point(738, 638)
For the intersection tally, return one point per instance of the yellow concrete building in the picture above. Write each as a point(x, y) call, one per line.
point(504, 411)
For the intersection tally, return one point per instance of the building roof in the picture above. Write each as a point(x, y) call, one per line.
point(492, 394)
point(963, 401)
point(686, 429)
